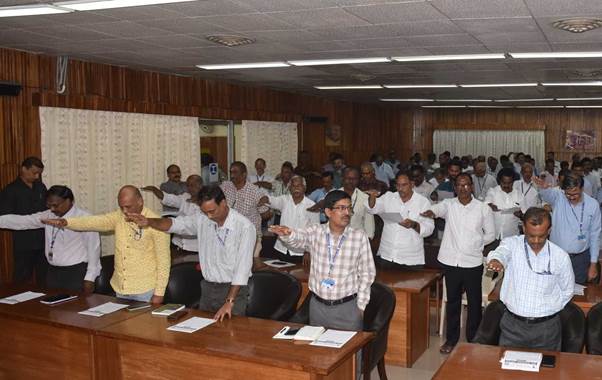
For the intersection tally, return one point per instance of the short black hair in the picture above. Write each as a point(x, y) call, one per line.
point(60, 191)
point(32, 161)
point(536, 216)
point(260, 159)
point(572, 180)
point(403, 173)
point(327, 174)
point(465, 175)
point(455, 163)
point(333, 197)
point(351, 169)
point(576, 164)
point(550, 161)
point(241, 165)
point(287, 164)
point(417, 167)
point(505, 172)
point(211, 193)
point(171, 166)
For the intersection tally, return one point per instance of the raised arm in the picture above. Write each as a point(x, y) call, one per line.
point(155, 190)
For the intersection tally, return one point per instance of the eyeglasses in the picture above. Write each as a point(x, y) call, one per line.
point(343, 208)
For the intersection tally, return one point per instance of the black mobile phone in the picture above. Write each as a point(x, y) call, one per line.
point(291, 332)
point(56, 298)
point(138, 305)
point(177, 315)
point(548, 361)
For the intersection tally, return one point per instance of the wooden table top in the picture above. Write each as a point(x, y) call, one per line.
point(407, 281)
point(240, 338)
point(476, 361)
point(63, 314)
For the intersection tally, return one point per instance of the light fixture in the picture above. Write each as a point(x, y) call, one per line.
point(456, 57)
point(341, 61)
point(406, 100)
point(420, 85)
point(560, 54)
point(230, 40)
point(253, 65)
point(464, 100)
point(90, 5)
point(578, 24)
point(583, 106)
point(524, 100)
point(539, 106)
point(351, 87)
point(571, 99)
point(480, 85)
point(472, 106)
point(589, 83)
point(443, 106)
point(31, 10)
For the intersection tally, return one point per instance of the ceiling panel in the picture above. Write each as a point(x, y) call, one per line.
point(391, 13)
point(460, 9)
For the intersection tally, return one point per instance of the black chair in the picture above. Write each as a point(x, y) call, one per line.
point(184, 285)
point(489, 329)
point(573, 328)
point(273, 295)
point(594, 330)
point(377, 318)
point(102, 284)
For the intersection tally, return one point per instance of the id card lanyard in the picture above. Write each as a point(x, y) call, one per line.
point(54, 236)
point(331, 258)
point(580, 221)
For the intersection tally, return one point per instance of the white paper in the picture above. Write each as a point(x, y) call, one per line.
point(310, 333)
point(579, 290)
point(104, 309)
point(521, 361)
point(278, 264)
point(391, 217)
point(21, 297)
point(191, 325)
point(333, 338)
point(511, 210)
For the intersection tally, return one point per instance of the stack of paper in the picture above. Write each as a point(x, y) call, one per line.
point(21, 297)
point(521, 361)
point(278, 264)
point(579, 290)
point(104, 309)
point(191, 325)
point(169, 309)
point(333, 338)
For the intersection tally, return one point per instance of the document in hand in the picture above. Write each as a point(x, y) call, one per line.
point(579, 290)
point(168, 309)
point(104, 309)
point(333, 338)
point(191, 325)
point(21, 297)
point(521, 361)
point(391, 217)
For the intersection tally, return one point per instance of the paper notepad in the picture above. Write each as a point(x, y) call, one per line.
point(278, 264)
point(333, 338)
point(21, 297)
point(104, 309)
point(309, 333)
point(191, 325)
point(521, 361)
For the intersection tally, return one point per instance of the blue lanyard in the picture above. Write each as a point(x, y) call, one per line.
point(332, 259)
point(219, 238)
point(579, 221)
point(522, 190)
point(529, 260)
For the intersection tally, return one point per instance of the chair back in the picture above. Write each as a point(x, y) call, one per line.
point(489, 330)
point(377, 318)
point(273, 295)
point(102, 284)
point(573, 328)
point(184, 285)
point(594, 330)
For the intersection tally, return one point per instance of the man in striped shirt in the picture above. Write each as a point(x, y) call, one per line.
point(342, 267)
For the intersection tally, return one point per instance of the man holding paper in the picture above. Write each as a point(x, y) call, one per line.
point(402, 241)
point(538, 283)
point(342, 267)
point(505, 201)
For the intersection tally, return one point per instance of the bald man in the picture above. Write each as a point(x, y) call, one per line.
point(142, 258)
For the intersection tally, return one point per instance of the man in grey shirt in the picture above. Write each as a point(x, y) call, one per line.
point(173, 185)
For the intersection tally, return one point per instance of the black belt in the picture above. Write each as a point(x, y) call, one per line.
point(531, 320)
point(335, 302)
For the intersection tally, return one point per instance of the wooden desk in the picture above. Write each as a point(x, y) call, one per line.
point(409, 329)
point(475, 361)
point(51, 342)
point(240, 348)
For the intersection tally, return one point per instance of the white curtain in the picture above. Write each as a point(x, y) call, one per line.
point(490, 142)
point(97, 152)
point(275, 142)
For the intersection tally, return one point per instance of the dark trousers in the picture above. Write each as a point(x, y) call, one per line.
point(67, 278)
point(389, 265)
point(546, 335)
point(458, 280)
point(214, 294)
point(25, 263)
point(580, 263)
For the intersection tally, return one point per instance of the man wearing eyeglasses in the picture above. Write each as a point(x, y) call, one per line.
point(538, 283)
point(575, 224)
point(342, 268)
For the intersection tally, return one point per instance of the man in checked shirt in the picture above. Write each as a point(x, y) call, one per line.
point(342, 268)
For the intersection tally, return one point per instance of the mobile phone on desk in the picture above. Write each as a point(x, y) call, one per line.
point(138, 306)
point(291, 332)
point(51, 300)
point(177, 315)
point(548, 361)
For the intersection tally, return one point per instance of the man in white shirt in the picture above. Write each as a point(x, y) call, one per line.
point(261, 178)
point(590, 175)
point(226, 240)
point(293, 208)
point(501, 198)
point(382, 170)
point(469, 226)
point(402, 242)
point(527, 188)
point(73, 257)
point(492, 166)
point(360, 218)
point(420, 185)
point(482, 181)
point(550, 174)
point(588, 187)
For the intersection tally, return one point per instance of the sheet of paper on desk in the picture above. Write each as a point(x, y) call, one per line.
point(104, 309)
point(579, 290)
point(333, 338)
point(21, 297)
point(511, 210)
point(521, 361)
point(391, 217)
point(278, 264)
point(191, 325)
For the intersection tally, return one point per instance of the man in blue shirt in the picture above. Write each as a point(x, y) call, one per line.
point(319, 194)
point(575, 224)
point(538, 283)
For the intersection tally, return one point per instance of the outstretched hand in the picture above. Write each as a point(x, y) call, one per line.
point(280, 230)
point(139, 219)
point(60, 223)
point(429, 214)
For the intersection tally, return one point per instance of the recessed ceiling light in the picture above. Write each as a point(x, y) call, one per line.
point(351, 87)
point(109, 4)
point(570, 99)
point(577, 24)
point(499, 85)
point(590, 83)
point(253, 65)
point(230, 40)
point(464, 100)
point(406, 100)
point(31, 10)
point(341, 61)
point(455, 57)
point(582, 54)
point(524, 100)
point(420, 85)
